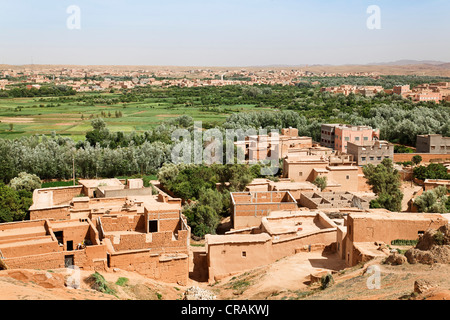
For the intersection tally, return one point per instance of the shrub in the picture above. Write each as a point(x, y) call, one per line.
point(122, 281)
point(100, 284)
point(438, 238)
point(326, 281)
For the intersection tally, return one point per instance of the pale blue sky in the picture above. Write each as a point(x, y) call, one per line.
point(222, 32)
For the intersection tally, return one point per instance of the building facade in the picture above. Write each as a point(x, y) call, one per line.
point(433, 143)
point(371, 152)
point(337, 136)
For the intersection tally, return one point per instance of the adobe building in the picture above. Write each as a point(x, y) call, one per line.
point(248, 208)
point(307, 168)
point(133, 230)
point(373, 152)
point(46, 244)
point(295, 188)
point(402, 90)
point(433, 143)
point(261, 147)
point(337, 136)
point(334, 200)
point(358, 240)
point(281, 234)
point(430, 184)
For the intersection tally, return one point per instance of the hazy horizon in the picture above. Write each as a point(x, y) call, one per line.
point(229, 33)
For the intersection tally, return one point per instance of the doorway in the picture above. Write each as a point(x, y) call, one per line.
point(69, 245)
point(68, 261)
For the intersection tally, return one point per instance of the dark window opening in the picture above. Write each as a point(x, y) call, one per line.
point(244, 254)
point(69, 245)
point(59, 237)
point(153, 226)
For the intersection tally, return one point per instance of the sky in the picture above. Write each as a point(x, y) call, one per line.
point(222, 32)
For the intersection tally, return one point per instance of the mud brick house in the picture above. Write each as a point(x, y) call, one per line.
point(125, 227)
point(356, 241)
point(248, 208)
point(280, 234)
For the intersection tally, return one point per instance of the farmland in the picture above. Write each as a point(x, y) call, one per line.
point(28, 116)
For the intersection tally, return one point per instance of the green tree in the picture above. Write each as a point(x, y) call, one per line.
point(385, 183)
point(432, 171)
point(321, 183)
point(202, 219)
point(14, 204)
point(433, 201)
point(416, 159)
point(100, 132)
point(26, 181)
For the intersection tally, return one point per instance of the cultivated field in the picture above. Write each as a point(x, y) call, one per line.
point(29, 116)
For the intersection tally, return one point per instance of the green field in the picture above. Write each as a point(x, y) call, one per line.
point(30, 116)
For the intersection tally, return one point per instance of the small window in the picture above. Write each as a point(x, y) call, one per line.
point(348, 177)
point(356, 138)
point(300, 174)
point(153, 226)
point(378, 158)
point(366, 138)
point(420, 233)
point(363, 158)
point(244, 254)
point(372, 158)
point(347, 138)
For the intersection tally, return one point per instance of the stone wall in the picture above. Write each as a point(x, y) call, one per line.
point(168, 269)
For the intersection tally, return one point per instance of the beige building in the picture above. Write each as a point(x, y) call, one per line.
point(356, 241)
point(373, 152)
point(248, 208)
point(279, 235)
point(132, 230)
point(433, 143)
point(340, 177)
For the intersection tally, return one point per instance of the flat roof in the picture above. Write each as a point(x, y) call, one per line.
point(94, 183)
point(236, 238)
point(395, 215)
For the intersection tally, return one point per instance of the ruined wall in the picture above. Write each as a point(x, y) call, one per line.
point(64, 194)
point(60, 213)
point(36, 245)
point(91, 258)
point(160, 242)
point(154, 266)
point(123, 223)
point(251, 215)
point(287, 247)
point(54, 260)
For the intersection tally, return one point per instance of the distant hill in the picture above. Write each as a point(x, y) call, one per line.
point(407, 62)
